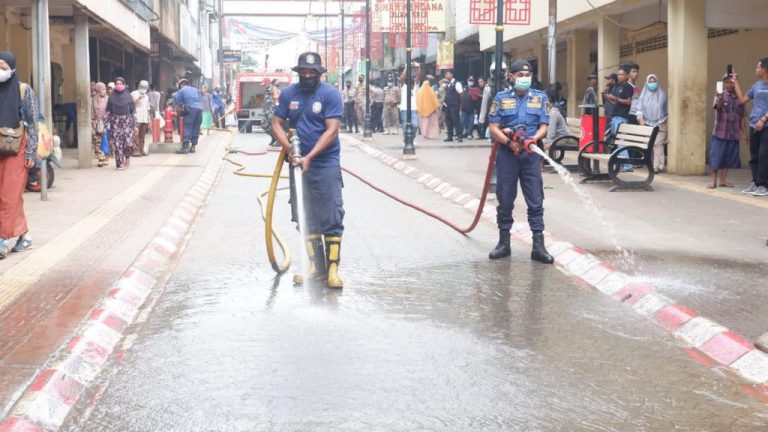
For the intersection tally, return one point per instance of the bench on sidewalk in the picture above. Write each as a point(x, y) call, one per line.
point(568, 142)
point(632, 146)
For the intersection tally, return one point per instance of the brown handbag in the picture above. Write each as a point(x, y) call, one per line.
point(10, 140)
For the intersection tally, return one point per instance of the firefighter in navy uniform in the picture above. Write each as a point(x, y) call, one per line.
point(314, 108)
point(520, 110)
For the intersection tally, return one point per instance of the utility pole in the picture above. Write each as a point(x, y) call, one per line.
point(220, 56)
point(41, 53)
point(367, 132)
point(325, 22)
point(409, 151)
point(552, 45)
point(499, 52)
point(343, 65)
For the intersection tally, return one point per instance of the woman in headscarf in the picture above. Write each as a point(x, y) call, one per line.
point(17, 105)
point(99, 120)
point(121, 121)
point(652, 111)
point(428, 107)
point(206, 101)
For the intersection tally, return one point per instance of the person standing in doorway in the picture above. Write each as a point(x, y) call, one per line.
point(18, 111)
point(452, 107)
point(758, 133)
point(187, 99)
point(652, 111)
point(724, 145)
point(141, 101)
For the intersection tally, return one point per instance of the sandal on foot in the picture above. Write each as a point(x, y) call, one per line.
point(728, 185)
point(22, 244)
point(711, 186)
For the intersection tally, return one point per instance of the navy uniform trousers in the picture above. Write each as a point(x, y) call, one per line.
point(323, 202)
point(193, 118)
point(525, 168)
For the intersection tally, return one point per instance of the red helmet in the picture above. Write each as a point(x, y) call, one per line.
point(266, 81)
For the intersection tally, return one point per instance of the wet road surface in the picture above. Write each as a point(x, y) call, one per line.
point(428, 335)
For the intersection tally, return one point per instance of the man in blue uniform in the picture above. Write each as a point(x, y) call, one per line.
point(187, 99)
point(315, 109)
point(519, 110)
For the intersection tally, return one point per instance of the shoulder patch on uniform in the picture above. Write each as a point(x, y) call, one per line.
point(294, 105)
point(494, 108)
point(317, 107)
point(508, 103)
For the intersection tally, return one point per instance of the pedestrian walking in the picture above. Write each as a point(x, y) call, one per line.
point(428, 107)
point(99, 121)
point(519, 106)
point(652, 111)
point(391, 108)
point(121, 123)
point(206, 106)
point(218, 108)
point(314, 109)
point(143, 107)
point(452, 106)
point(18, 123)
point(350, 112)
point(758, 133)
point(724, 145)
point(187, 100)
point(154, 101)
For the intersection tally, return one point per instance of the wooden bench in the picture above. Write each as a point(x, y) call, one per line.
point(568, 142)
point(637, 142)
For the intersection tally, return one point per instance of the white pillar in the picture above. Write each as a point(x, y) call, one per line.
point(687, 59)
point(608, 50)
point(83, 88)
point(578, 69)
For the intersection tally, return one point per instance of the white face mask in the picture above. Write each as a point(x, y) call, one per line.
point(5, 75)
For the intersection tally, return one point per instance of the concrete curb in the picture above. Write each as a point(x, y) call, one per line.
point(716, 343)
point(57, 388)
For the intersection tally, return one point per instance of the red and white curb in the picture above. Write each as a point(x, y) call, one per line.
point(55, 390)
point(708, 340)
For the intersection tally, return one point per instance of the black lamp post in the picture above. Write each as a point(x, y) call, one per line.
point(408, 134)
point(367, 132)
point(499, 54)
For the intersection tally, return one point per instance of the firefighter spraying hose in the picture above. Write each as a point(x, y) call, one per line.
point(322, 190)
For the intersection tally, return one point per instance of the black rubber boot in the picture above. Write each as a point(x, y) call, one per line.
point(192, 149)
point(539, 252)
point(184, 149)
point(502, 249)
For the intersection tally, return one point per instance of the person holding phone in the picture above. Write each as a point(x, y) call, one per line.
point(724, 144)
point(758, 133)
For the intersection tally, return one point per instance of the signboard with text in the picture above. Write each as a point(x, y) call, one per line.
point(516, 12)
point(230, 56)
point(388, 13)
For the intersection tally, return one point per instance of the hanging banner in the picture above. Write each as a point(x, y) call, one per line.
point(387, 14)
point(516, 12)
point(445, 55)
point(377, 46)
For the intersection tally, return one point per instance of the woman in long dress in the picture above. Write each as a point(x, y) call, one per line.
point(428, 107)
point(99, 121)
point(17, 104)
point(121, 121)
point(206, 102)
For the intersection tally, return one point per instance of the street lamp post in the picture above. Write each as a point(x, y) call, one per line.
point(367, 132)
point(408, 148)
point(499, 53)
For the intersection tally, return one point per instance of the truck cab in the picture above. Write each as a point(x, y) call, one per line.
point(250, 99)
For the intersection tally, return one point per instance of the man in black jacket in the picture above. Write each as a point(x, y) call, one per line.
point(452, 106)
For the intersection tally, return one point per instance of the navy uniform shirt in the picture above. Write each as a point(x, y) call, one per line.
point(189, 96)
point(510, 110)
point(317, 106)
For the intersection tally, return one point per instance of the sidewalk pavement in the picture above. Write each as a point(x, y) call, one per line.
point(705, 248)
point(93, 226)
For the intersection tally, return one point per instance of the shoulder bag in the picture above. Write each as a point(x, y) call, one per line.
point(10, 138)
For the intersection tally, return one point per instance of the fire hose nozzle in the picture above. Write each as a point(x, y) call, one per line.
point(295, 144)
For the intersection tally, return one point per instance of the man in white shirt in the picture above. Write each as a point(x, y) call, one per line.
point(141, 100)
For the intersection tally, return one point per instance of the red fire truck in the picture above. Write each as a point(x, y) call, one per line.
point(250, 98)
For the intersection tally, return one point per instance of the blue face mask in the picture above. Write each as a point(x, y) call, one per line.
point(522, 83)
point(653, 86)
